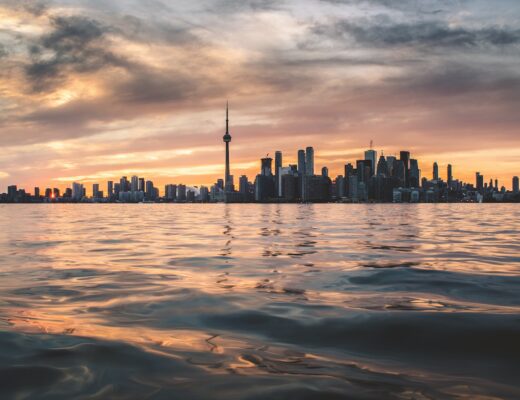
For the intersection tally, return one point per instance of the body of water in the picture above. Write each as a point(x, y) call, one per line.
point(332, 301)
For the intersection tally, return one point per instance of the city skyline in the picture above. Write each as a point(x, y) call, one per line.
point(93, 91)
point(304, 162)
point(374, 178)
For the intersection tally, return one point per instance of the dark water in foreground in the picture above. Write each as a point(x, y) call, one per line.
point(259, 301)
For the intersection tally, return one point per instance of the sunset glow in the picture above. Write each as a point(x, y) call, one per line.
point(95, 90)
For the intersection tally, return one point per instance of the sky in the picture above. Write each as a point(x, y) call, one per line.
point(91, 90)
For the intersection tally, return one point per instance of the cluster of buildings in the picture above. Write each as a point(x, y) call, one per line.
point(383, 179)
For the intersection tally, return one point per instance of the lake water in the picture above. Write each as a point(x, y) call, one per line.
point(332, 301)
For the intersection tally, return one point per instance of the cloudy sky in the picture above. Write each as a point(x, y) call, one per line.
point(94, 89)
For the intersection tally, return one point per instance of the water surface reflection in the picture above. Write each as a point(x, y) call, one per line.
point(259, 301)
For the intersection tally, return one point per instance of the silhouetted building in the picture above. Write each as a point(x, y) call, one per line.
point(301, 162)
point(325, 172)
point(181, 193)
point(479, 182)
point(204, 194)
point(415, 174)
point(405, 158)
point(382, 167)
point(227, 140)
point(515, 184)
point(371, 155)
point(277, 166)
point(309, 161)
point(435, 171)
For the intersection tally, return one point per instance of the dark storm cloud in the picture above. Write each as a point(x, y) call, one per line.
point(76, 44)
point(432, 33)
point(34, 7)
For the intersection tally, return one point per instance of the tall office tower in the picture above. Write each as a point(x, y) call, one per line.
point(277, 162)
point(243, 185)
point(181, 192)
point(450, 175)
point(309, 161)
point(405, 158)
point(170, 192)
point(399, 172)
point(227, 140)
point(390, 162)
point(266, 167)
point(277, 166)
point(123, 184)
point(435, 171)
point(364, 170)
point(135, 184)
point(516, 187)
point(95, 190)
point(382, 167)
point(48, 193)
point(479, 184)
point(325, 172)
point(415, 173)
point(36, 192)
point(496, 184)
point(110, 188)
point(301, 162)
point(141, 185)
point(149, 190)
point(77, 191)
point(204, 194)
point(371, 155)
point(56, 192)
point(349, 170)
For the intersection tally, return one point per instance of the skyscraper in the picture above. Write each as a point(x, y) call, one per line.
point(479, 181)
point(135, 184)
point(450, 175)
point(301, 162)
point(371, 155)
point(77, 191)
point(415, 173)
point(277, 166)
point(227, 140)
point(405, 158)
point(277, 162)
point(382, 167)
point(266, 169)
point(435, 171)
point(110, 188)
point(309, 161)
point(95, 190)
point(390, 161)
point(516, 188)
point(123, 184)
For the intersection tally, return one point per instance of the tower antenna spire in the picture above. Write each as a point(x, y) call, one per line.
point(227, 116)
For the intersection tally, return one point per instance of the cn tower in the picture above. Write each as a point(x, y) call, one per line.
point(227, 140)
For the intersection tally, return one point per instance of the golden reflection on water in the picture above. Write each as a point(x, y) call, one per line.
point(239, 281)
